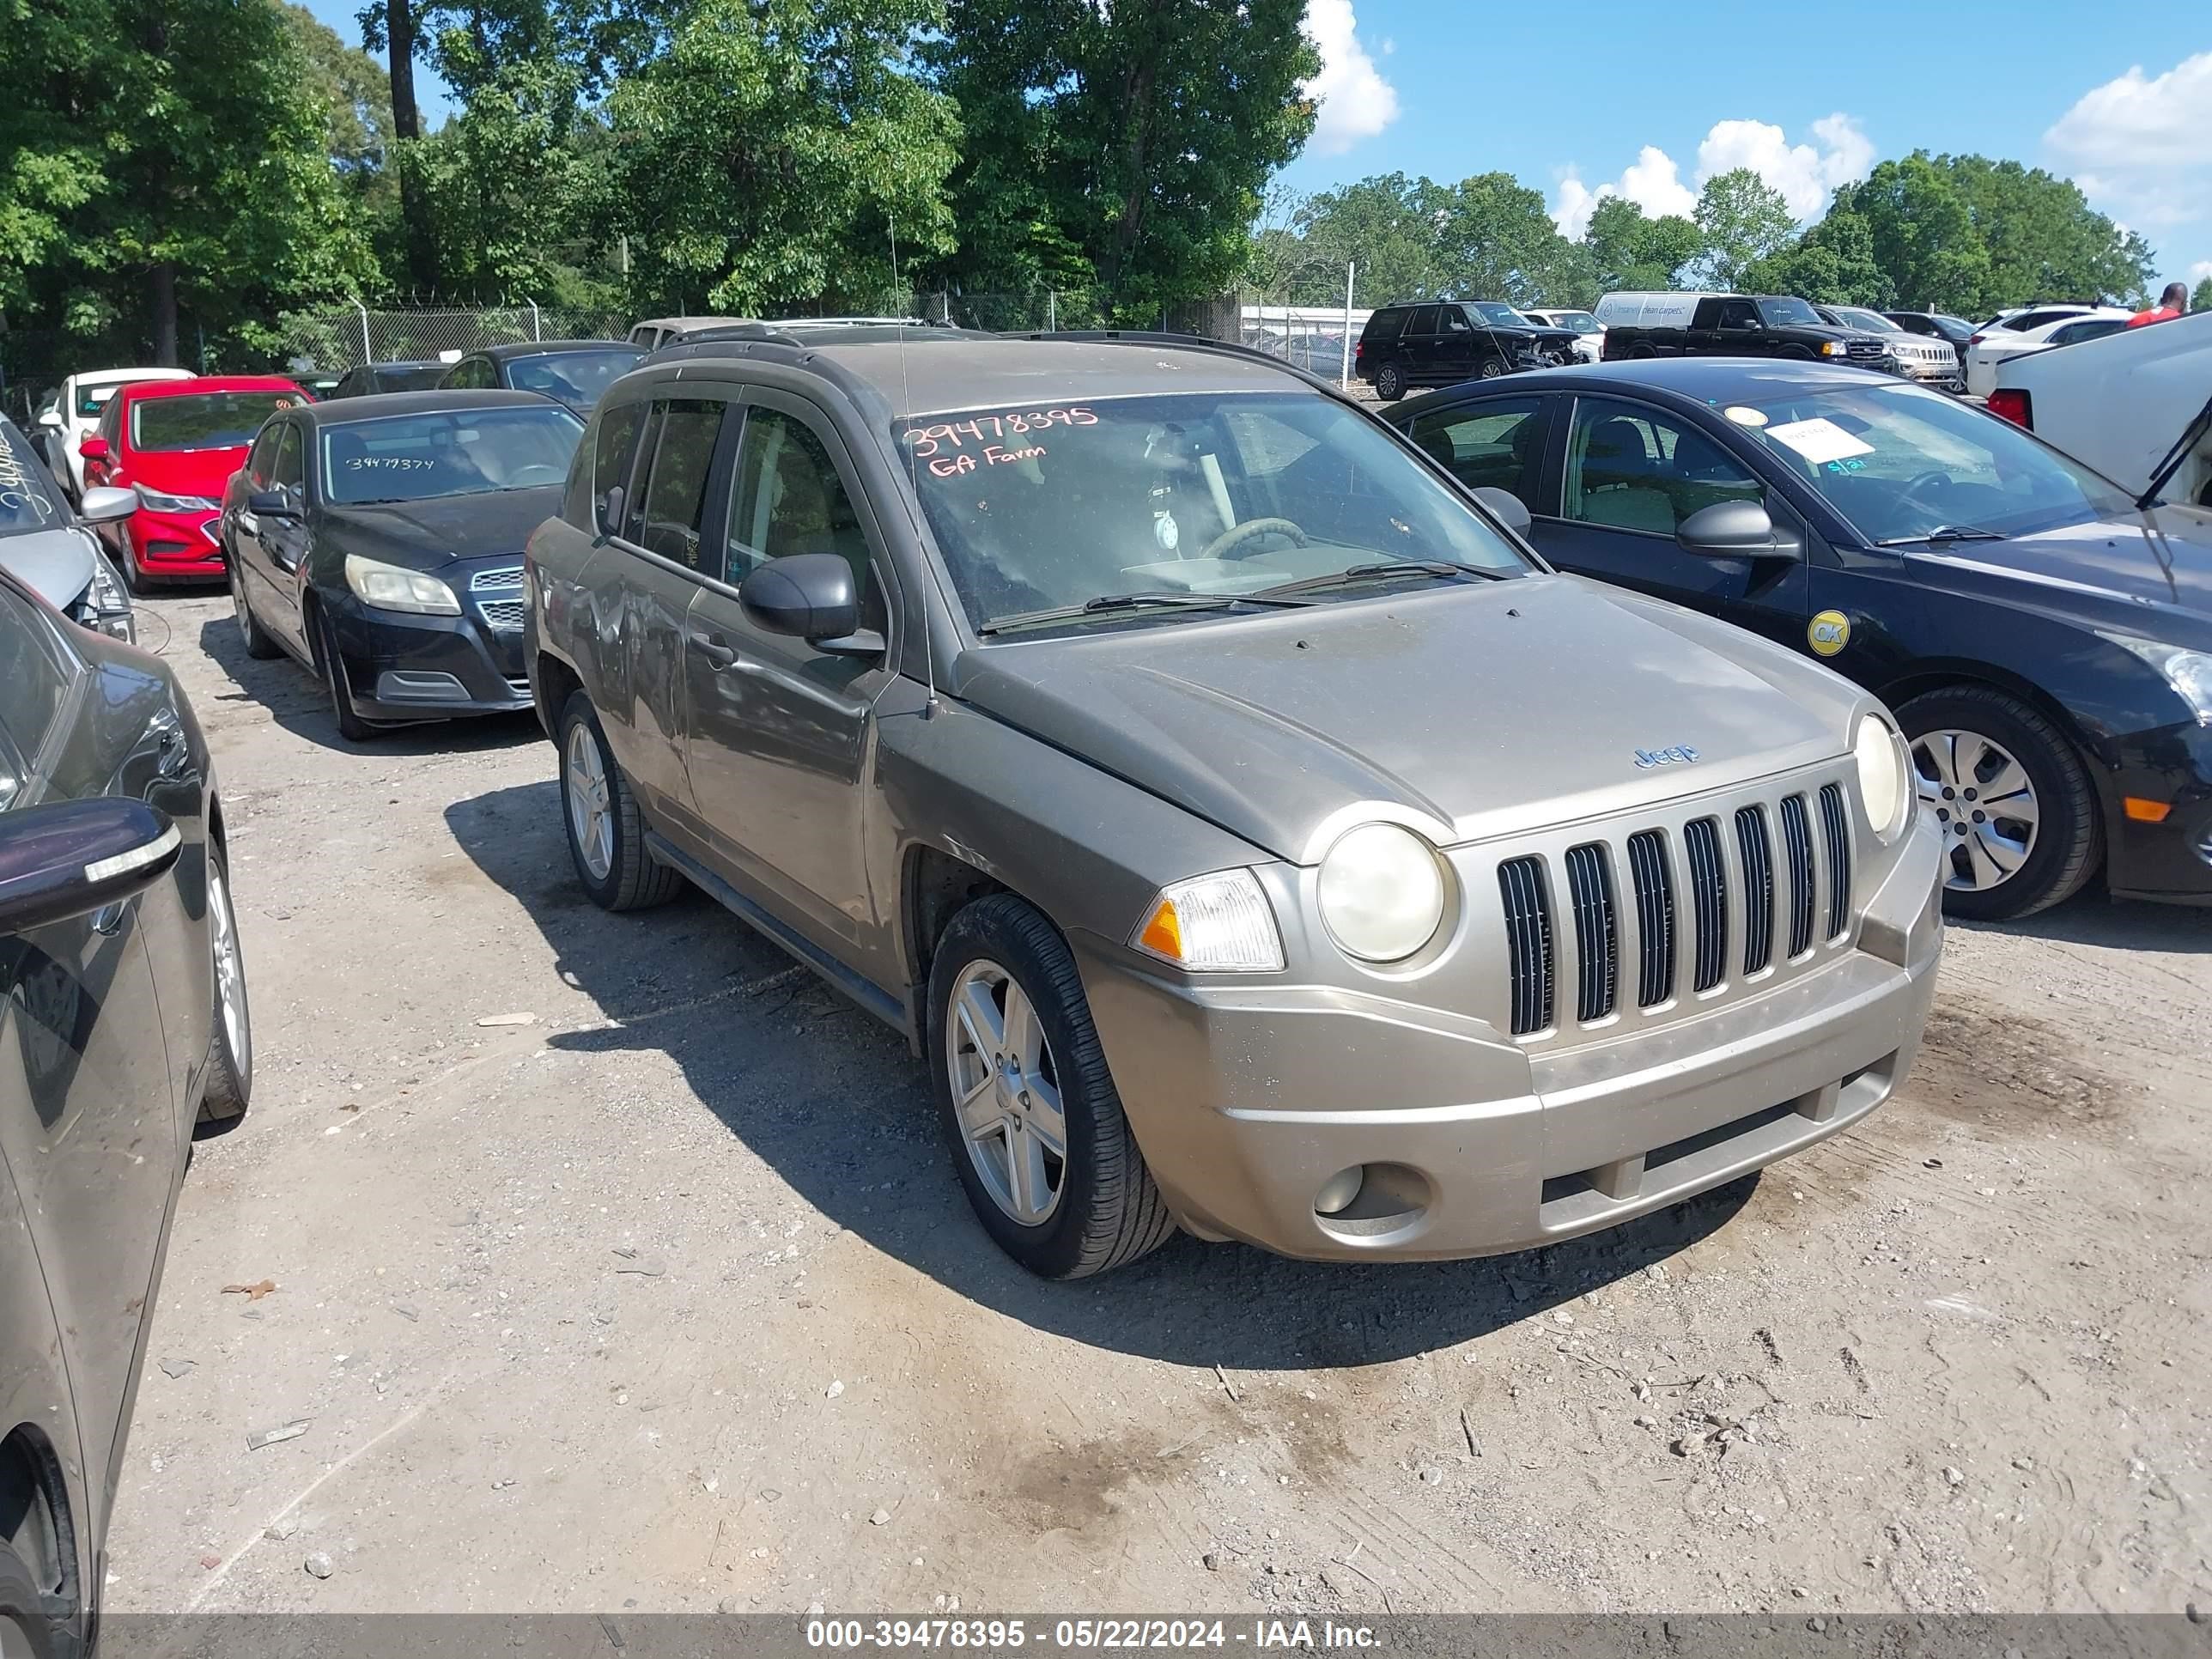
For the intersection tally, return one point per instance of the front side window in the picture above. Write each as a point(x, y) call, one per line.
point(413, 457)
point(1900, 463)
point(290, 470)
point(261, 463)
point(1789, 313)
point(35, 677)
point(206, 420)
point(1039, 506)
point(1493, 443)
point(676, 495)
point(788, 497)
point(574, 377)
point(1633, 468)
point(1452, 319)
point(1740, 314)
point(28, 500)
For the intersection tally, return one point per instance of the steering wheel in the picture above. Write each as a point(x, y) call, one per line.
point(540, 473)
point(1935, 475)
point(1237, 535)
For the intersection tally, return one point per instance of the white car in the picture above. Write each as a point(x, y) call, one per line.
point(2122, 404)
point(2031, 331)
point(74, 413)
point(1590, 333)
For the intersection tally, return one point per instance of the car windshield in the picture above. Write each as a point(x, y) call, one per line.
point(28, 501)
point(415, 458)
point(1873, 321)
point(1497, 312)
point(1788, 313)
point(1036, 507)
point(576, 378)
point(1954, 328)
point(1901, 462)
point(204, 420)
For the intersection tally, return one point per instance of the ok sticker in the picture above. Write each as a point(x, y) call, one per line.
point(1829, 633)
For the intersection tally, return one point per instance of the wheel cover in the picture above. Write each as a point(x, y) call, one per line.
point(591, 810)
point(1005, 1093)
point(230, 973)
point(1984, 802)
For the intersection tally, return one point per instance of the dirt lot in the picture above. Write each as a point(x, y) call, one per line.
point(668, 1298)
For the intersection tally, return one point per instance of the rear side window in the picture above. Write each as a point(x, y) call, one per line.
point(612, 446)
point(1423, 321)
point(676, 496)
point(1493, 443)
point(1385, 325)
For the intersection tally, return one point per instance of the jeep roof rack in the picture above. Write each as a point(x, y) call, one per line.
point(1153, 336)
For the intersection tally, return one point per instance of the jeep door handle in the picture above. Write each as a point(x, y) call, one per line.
point(717, 654)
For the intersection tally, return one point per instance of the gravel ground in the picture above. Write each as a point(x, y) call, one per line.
point(618, 1262)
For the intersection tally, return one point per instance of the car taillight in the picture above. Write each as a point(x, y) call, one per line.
point(2013, 404)
point(1975, 339)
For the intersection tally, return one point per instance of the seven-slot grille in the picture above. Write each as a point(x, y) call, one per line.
point(1683, 891)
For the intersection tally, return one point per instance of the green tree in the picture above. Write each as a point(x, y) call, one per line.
point(2201, 299)
point(1832, 264)
point(770, 155)
point(1128, 141)
point(1742, 219)
point(509, 191)
point(1629, 251)
point(354, 94)
point(1388, 225)
point(1923, 234)
point(1496, 241)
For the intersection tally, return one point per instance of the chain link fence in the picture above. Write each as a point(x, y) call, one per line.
point(329, 343)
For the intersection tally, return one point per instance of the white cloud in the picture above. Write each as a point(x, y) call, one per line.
point(1804, 173)
point(2200, 272)
point(1355, 101)
point(2136, 144)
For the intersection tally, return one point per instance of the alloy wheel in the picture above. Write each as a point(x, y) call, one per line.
point(591, 807)
point(1006, 1092)
point(229, 971)
point(1983, 801)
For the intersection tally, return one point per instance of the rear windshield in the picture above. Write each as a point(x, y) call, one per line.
point(576, 378)
point(415, 458)
point(1385, 325)
point(409, 377)
point(1036, 507)
point(28, 499)
point(204, 420)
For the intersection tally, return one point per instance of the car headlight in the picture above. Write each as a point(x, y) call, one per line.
point(1834, 349)
point(389, 587)
point(1219, 923)
point(1885, 786)
point(1382, 892)
point(105, 606)
point(161, 503)
point(2189, 672)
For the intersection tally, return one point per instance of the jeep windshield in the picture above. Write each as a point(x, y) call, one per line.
point(1788, 313)
point(1905, 465)
point(1051, 506)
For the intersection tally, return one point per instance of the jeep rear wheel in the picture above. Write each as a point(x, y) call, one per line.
point(605, 830)
point(1044, 1149)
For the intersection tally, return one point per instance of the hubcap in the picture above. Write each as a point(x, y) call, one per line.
point(230, 973)
point(591, 816)
point(1007, 1094)
point(1981, 799)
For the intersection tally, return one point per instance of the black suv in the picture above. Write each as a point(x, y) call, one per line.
point(1731, 325)
point(1439, 342)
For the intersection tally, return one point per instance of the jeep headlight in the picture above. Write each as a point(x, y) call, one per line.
point(1219, 923)
point(1382, 892)
point(390, 588)
point(1884, 784)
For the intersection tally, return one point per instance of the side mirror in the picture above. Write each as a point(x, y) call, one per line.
point(93, 449)
point(273, 504)
point(51, 418)
point(76, 856)
point(1735, 529)
point(810, 596)
point(610, 513)
point(1505, 507)
point(103, 506)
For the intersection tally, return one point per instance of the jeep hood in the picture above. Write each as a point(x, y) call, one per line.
point(1490, 708)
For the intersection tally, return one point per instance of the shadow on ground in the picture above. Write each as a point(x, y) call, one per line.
point(831, 1099)
point(2091, 917)
point(297, 701)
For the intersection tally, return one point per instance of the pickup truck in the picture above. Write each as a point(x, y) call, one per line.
point(1732, 325)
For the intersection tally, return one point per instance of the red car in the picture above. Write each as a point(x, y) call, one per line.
point(177, 442)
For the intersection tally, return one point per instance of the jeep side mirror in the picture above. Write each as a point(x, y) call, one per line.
point(1735, 529)
point(812, 596)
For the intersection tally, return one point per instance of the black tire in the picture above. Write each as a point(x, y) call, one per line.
point(229, 1084)
point(634, 880)
point(1491, 368)
point(1641, 351)
point(351, 726)
point(2069, 842)
point(1109, 1211)
point(1389, 383)
point(258, 644)
point(32, 1624)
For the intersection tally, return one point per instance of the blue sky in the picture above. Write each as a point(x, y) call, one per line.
point(1644, 100)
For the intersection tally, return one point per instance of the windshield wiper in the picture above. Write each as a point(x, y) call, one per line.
point(1436, 567)
point(1106, 603)
point(1947, 532)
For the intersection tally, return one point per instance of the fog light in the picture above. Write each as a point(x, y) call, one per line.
point(1337, 1192)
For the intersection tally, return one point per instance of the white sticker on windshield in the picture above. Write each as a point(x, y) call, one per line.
point(1745, 414)
point(1819, 440)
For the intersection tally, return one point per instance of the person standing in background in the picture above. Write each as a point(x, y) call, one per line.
point(2171, 304)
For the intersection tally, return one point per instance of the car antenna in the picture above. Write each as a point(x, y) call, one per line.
point(914, 487)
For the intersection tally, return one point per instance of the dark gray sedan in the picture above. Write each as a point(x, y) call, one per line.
point(1252, 833)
